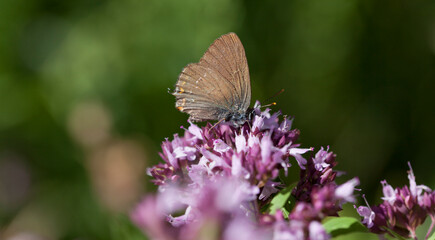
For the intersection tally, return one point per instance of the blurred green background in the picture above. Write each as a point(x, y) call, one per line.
point(84, 103)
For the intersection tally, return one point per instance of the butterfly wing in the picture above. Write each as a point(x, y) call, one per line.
point(218, 85)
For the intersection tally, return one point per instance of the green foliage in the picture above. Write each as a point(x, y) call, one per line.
point(282, 201)
point(337, 226)
point(122, 228)
point(357, 236)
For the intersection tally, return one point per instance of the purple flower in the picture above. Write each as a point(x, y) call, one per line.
point(241, 143)
point(289, 230)
point(296, 228)
point(178, 151)
point(188, 153)
point(186, 218)
point(255, 151)
point(241, 228)
point(218, 181)
point(162, 173)
point(317, 231)
point(318, 173)
point(344, 192)
point(153, 214)
point(320, 160)
point(367, 214)
point(213, 203)
point(195, 131)
point(403, 209)
point(416, 190)
point(297, 153)
point(327, 200)
point(389, 193)
point(220, 146)
point(148, 216)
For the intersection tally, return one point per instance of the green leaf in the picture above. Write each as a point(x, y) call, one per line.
point(280, 199)
point(432, 237)
point(357, 236)
point(343, 225)
point(290, 204)
point(285, 212)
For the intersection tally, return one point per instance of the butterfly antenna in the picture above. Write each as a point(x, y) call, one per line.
point(214, 125)
point(274, 95)
point(268, 105)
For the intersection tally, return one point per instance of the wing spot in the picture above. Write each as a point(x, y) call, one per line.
point(182, 83)
point(181, 90)
point(183, 102)
point(180, 108)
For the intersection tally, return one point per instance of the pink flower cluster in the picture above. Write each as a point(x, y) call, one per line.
point(216, 183)
point(403, 209)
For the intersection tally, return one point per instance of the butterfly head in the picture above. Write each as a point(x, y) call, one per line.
point(239, 118)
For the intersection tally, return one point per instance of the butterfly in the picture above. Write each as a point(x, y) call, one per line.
point(218, 86)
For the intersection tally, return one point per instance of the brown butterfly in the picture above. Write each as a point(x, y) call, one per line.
point(218, 86)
